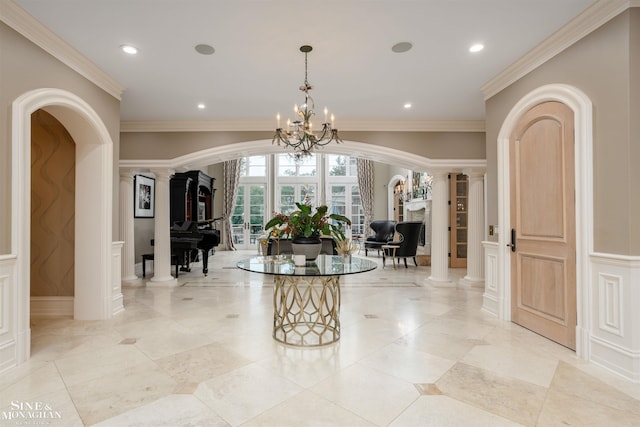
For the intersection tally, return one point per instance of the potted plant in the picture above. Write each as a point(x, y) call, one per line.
point(305, 225)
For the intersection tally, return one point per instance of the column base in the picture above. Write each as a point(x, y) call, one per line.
point(439, 283)
point(130, 278)
point(472, 283)
point(168, 281)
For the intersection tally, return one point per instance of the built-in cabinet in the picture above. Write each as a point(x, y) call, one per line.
point(458, 219)
point(191, 196)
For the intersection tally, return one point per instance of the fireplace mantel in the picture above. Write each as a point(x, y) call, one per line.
point(417, 204)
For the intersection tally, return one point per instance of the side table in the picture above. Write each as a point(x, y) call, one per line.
point(392, 253)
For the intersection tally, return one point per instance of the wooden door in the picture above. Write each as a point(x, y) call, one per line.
point(458, 219)
point(543, 260)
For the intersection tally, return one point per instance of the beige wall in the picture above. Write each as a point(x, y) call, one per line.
point(634, 131)
point(434, 145)
point(598, 65)
point(53, 162)
point(25, 67)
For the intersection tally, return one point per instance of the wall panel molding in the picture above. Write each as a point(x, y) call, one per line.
point(615, 322)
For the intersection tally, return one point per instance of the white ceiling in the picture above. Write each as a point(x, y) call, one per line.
point(257, 66)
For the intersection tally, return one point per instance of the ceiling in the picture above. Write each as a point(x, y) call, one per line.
point(257, 67)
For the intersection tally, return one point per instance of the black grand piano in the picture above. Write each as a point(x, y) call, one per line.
point(193, 227)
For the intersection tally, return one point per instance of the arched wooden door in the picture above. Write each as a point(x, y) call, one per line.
point(543, 236)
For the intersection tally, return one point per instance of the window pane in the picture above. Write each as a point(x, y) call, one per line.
point(287, 199)
point(308, 194)
point(338, 165)
point(286, 165)
point(357, 213)
point(308, 167)
point(257, 166)
point(353, 166)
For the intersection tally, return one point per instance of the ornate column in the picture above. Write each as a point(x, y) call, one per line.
point(440, 230)
point(475, 230)
point(162, 235)
point(126, 226)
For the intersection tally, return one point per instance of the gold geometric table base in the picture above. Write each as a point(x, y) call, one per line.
point(306, 310)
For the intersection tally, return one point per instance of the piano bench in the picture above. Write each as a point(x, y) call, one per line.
point(149, 257)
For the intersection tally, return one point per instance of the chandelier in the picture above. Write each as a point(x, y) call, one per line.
point(299, 134)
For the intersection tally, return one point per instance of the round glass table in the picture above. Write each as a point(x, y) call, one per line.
point(306, 299)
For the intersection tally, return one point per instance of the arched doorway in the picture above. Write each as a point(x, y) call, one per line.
point(582, 108)
point(93, 206)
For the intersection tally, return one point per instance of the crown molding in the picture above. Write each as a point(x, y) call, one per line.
point(18, 19)
point(591, 19)
point(239, 126)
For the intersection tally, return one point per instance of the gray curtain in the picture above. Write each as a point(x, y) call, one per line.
point(231, 172)
point(365, 182)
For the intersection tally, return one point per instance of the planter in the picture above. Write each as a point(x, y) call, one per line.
point(308, 246)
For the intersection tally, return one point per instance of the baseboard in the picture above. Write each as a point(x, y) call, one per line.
point(490, 304)
point(52, 306)
point(616, 359)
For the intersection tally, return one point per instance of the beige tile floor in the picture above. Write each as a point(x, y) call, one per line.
point(201, 354)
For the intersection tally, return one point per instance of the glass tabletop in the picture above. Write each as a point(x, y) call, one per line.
point(324, 265)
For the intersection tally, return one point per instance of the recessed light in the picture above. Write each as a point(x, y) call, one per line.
point(201, 106)
point(476, 48)
point(407, 105)
point(127, 48)
point(204, 49)
point(401, 47)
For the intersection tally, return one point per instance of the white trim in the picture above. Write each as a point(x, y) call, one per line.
point(269, 125)
point(615, 328)
point(202, 158)
point(51, 306)
point(94, 194)
point(490, 299)
point(583, 127)
point(8, 304)
point(18, 19)
point(579, 27)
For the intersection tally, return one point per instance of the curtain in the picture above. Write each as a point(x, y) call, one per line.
point(365, 182)
point(231, 172)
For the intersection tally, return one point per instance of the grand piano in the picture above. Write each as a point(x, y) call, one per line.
point(191, 214)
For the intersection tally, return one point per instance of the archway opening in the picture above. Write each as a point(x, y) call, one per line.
point(93, 206)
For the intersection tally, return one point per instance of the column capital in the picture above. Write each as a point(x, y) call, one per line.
point(439, 174)
point(163, 173)
point(474, 172)
point(127, 174)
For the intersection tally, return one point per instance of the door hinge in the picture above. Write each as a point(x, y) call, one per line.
point(449, 228)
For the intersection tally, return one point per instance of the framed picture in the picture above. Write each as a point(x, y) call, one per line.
point(144, 194)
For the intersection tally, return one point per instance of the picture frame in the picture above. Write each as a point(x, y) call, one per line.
point(144, 195)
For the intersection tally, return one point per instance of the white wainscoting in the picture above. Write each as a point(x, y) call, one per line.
point(615, 315)
point(490, 302)
point(8, 305)
point(117, 304)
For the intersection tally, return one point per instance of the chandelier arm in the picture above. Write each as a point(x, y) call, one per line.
point(300, 137)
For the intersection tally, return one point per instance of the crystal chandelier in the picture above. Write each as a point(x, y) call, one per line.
point(299, 134)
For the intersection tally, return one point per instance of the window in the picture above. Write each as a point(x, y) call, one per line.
point(287, 166)
point(343, 192)
point(339, 165)
point(289, 194)
point(253, 166)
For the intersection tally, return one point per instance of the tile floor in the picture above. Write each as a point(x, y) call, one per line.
point(201, 354)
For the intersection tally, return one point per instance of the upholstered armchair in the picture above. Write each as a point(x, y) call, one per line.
point(383, 233)
point(407, 244)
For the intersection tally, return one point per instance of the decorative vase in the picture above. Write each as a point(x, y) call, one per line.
point(308, 246)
